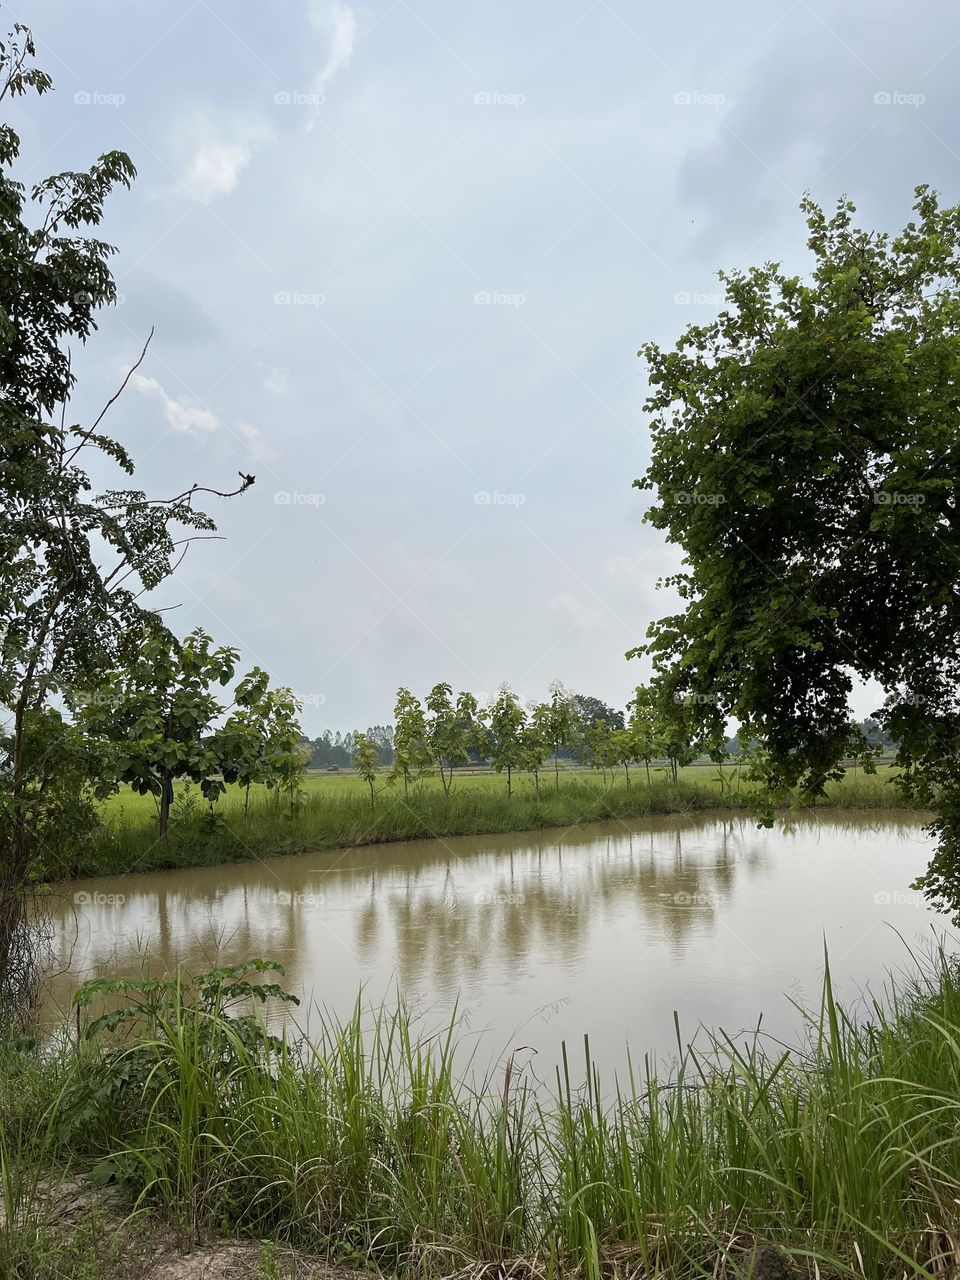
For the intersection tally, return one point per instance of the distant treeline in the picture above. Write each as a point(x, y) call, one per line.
point(336, 750)
point(874, 735)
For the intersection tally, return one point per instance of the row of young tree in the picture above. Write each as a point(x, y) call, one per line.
point(447, 731)
point(334, 749)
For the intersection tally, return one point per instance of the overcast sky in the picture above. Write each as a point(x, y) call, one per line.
point(400, 257)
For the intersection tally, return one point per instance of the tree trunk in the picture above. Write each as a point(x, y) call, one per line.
point(509, 783)
point(166, 799)
point(626, 770)
point(246, 802)
point(647, 765)
point(13, 888)
point(16, 862)
point(14, 875)
point(556, 769)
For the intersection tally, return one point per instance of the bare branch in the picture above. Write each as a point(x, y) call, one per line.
point(180, 542)
point(90, 431)
point(187, 494)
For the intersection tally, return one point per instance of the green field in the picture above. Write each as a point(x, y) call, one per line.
point(137, 808)
point(335, 812)
point(347, 782)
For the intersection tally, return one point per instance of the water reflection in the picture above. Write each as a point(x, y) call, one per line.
point(605, 929)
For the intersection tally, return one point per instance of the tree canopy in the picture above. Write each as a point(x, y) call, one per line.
point(806, 453)
point(75, 559)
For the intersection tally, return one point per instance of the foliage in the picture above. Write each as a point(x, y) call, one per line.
point(806, 447)
point(65, 776)
point(411, 745)
point(586, 713)
point(365, 759)
point(643, 728)
point(261, 740)
point(601, 743)
point(453, 730)
point(533, 750)
point(556, 721)
point(508, 722)
point(333, 748)
point(282, 754)
point(63, 616)
point(590, 710)
point(142, 1040)
point(162, 717)
point(676, 727)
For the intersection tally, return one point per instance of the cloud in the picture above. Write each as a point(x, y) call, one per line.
point(180, 414)
point(389, 406)
point(192, 419)
point(218, 151)
point(257, 447)
point(338, 22)
point(214, 170)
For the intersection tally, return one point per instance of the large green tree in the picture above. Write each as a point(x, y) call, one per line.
point(164, 719)
point(806, 456)
point(74, 560)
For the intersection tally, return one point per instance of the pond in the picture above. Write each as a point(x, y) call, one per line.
point(540, 936)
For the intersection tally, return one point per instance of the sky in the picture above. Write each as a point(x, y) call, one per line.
point(399, 258)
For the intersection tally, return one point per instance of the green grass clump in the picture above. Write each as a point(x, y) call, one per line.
point(376, 1142)
point(336, 814)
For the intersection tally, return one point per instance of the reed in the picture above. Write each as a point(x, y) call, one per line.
point(376, 1143)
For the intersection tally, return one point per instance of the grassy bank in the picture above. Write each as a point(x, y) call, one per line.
point(341, 815)
point(371, 1147)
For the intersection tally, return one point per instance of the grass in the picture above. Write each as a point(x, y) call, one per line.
point(343, 783)
point(335, 812)
point(127, 806)
point(375, 1145)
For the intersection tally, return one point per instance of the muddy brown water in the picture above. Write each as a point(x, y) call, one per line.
point(606, 930)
